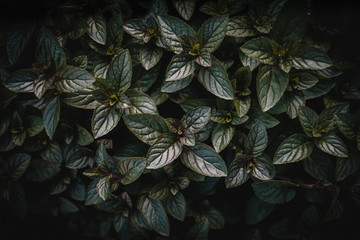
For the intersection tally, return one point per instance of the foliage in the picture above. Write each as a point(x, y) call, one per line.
point(180, 119)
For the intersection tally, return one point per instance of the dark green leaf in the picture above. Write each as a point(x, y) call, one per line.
point(347, 124)
point(185, 8)
point(290, 23)
point(204, 160)
point(80, 28)
point(103, 187)
point(172, 27)
point(274, 191)
point(257, 210)
point(310, 58)
point(150, 56)
point(92, 195)
point(136, 28)
point(84, 137)
point(174, 86)
point(180, 66)
point(72, 79)
point(115, 31)
point(329, 113)
point(237, 173)
point(215, 80)
point(165, 150)
point(196, 119)
point(319, 89)
point(51, 116)
point(308, 119)
point(260, 49)
point(221, 136)
point(17, 38)
point(175, 205)
point(347, 166)
point(49, 49)
point(140, 102)
point(248, 61)
point(256, 115)
point(294, 148)
point(263, 168)
point(332, 144)
point(306, 81)
point(154, 214)
point(53, 153)
point(240, 26)
point(212, 32)
point(257, 140)
point(41, 170)
point(97, 30)
point(147, 127)
point(198, 231)
point(101, 157)
point(319, 165)
point(242, 105)
point(79, 159)
point(131, 169)
point(271, 83)
point(18, 163)
point(83, 100)
point(22, 81)
point(104, 119)
point(119, 74)
point(294, 100)
point(158, 7)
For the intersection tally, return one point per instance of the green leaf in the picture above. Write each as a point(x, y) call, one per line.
point(306, 81)
point(142, 79)
point(190, 104)
point(147, 127)
point(293, 101)
point(257, 140)
point(154, 214)
point(131, 168)
point(34, 125)
point(97, 30)
point(331, 144)
point(53, 153)
point(347, 166)
point(260, 49)
point(174, 86)
point(185, 8)
point(347, 124)
point(22, 81)
point(165, 150)
point(158, 7)
point(51, 116)
point(309, 120)
point(329, 113)
point(49, 50)
point(248, 61)
point(18, 164)
point(204, 160)
point(310, 58)
point(274, 191)
point(171, 28)
point(256, 115)
point(83, 137)
point(79, 159)
point(240, 26)
point(92, 195)
point(271, 83)
point(103, 187)
point(175, 205)
point(160, 191)
point(115, 31)
point(257, 210)
point(319, 89)
point(199, 230)
point(119, 73)
point(140, 102)
point(17, 38)
point(293, 149)
point(212, 32)
point(180, 66)
point(215, 80)
point(242, 105)
point(290, 23)
point(150, 56)
point(237, 173)
point(263, 168)
point(41, 170)
point(83, 100)
point(136, 28)
point(72, 79)
point(196, 119)
point(80, 27)
point(204, 59)
point(221, 136)
point(104, 119)
point(101, 157)
point(319, 165)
